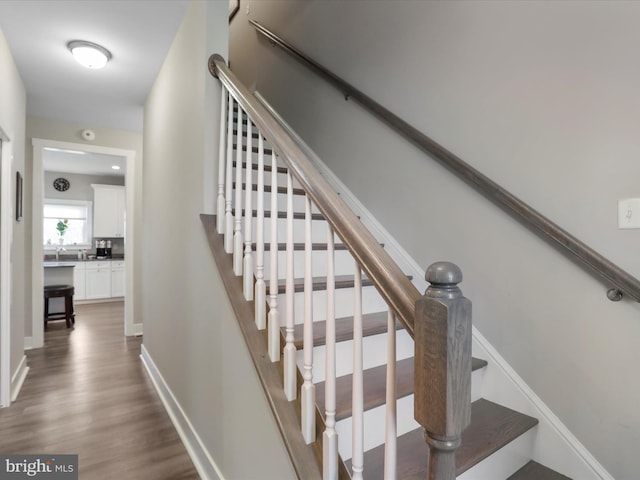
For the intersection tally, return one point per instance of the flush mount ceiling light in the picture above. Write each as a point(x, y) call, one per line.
point(89, 54)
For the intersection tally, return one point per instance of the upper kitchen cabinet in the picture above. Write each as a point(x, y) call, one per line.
point(108, 210)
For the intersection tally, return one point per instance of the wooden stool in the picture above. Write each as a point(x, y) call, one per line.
point(54, 291)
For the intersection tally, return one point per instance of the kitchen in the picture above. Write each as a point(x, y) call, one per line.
point(84, 225)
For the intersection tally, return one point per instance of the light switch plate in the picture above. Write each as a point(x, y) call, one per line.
point(629, 213)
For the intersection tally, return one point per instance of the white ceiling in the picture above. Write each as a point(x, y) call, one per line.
point(68, 161)
point(137, 32)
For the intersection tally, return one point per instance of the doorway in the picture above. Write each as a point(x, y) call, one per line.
point(39, 146)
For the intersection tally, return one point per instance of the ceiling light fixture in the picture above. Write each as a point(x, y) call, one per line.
point(115, 167)
point(89, 54)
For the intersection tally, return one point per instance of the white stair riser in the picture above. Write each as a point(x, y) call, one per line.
point(371, 303)
point(505, 462)
point(476, 384)
point(344, 264)
point(282, 177)
point(254, 141)
point(374, 354)
point(298, 202)
point(319, 230)
point(374, 427)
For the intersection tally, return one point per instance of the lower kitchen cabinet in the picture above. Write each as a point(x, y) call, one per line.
point(95, 280)
point(98, 280)
point(79, 281)
point(117, 278)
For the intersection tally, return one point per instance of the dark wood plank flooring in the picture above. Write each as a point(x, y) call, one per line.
point(87, 393)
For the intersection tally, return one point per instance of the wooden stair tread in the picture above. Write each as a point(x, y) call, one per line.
point(375, 383)
point(254, 133)
point(267, 214)
point(267, 189)
point(373, 324)
point(301, 246)
point(283, 214)
point(267, 168)
point(320, 283)
point(265, 151)
point(492, 427)
point(535, 471)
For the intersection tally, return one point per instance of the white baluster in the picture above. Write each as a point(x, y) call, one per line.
point(220, 203)
point(247, 271)
point(228, 192)
point(290, 368)
point(237, 228)
point(357, 408)
point(391, 430)
point(273, 321)
point(330, 436)
point(308, 391)
point(260, 289)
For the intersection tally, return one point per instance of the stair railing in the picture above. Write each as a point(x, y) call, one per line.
point(440, 321)
point(620, 282)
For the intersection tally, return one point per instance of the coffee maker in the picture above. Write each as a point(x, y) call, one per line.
point(103, 249)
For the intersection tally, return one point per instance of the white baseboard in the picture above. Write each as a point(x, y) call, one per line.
point(133, 330)
point(17, 380)
point(98, 300)
point(204, 464)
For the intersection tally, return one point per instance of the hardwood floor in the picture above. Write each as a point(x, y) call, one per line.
point(87, 393)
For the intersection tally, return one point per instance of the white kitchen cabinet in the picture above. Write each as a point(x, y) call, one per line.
point(98, 280)
point(117, 278)
point(79, 281)
point(108, 210)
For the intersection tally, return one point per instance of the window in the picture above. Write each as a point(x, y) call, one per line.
point(78, 214)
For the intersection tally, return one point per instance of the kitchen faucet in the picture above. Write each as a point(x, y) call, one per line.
point(58, 250)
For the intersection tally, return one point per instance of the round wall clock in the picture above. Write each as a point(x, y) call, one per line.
point(61, 184)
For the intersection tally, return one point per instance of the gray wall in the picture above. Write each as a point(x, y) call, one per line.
point(12, 115)
point(80, 185)
point(189, 328)
point(540, 96)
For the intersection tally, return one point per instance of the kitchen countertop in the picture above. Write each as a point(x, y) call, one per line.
point(73, 260)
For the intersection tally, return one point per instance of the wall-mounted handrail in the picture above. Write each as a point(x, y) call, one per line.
point(391, 282)
point(612, 275)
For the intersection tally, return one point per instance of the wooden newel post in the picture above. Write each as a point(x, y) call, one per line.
point(443, 367)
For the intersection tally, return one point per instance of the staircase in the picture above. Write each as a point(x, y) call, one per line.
point(492, 427)
point(498, 443)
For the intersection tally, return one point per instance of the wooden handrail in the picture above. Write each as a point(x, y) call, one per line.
point(390, 281)
point(612, 275)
